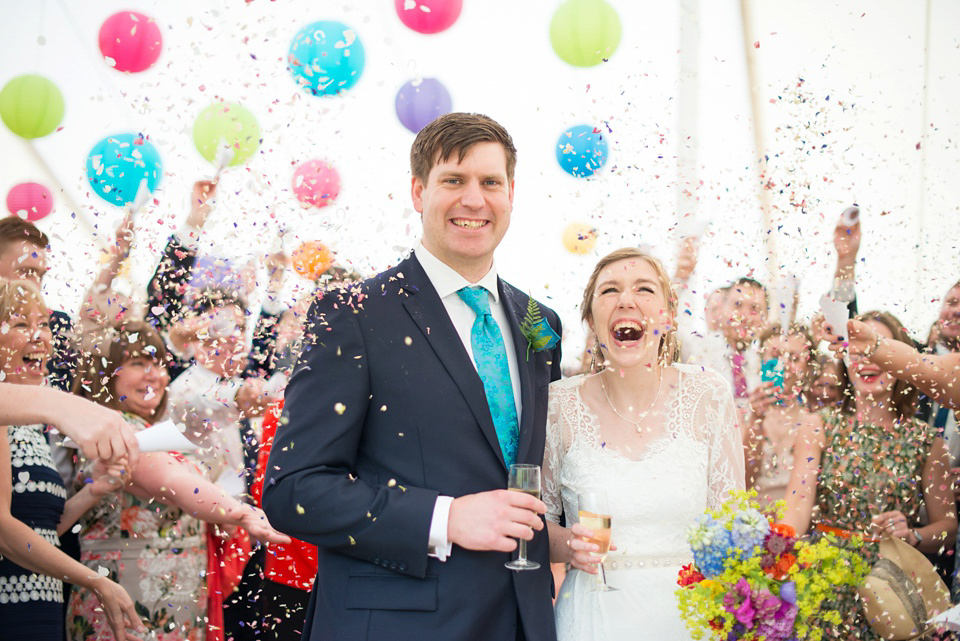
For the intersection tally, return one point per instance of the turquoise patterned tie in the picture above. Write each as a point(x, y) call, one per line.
point(490, 355)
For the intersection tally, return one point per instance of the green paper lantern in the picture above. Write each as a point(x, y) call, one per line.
point(584, 33)
point(226, 133)
point(31, 106)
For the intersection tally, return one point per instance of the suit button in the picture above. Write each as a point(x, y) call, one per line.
point(403, 566)
point(394, 565)
point(377, 561)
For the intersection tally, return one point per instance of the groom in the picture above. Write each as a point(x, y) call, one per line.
point(415, 393)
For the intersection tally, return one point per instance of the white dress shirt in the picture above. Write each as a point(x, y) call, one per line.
point(448, 282)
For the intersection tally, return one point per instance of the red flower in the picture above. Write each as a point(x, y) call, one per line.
point(784, 530)
point(689, 575)
point(780, 569)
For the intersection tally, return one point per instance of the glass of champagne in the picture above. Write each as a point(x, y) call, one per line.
point(524, 478)
point(595, 515)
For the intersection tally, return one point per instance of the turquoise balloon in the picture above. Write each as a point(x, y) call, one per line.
point(117, 164)
point(326, 57)
point(582, 151)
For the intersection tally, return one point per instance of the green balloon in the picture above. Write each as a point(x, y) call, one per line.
point(31, 106)
point(226, 128)
point(585, 32)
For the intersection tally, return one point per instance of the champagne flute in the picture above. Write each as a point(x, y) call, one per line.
point(524, 478)
point(595, 515)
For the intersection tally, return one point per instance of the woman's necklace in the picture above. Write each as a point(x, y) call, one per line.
point(643, 415)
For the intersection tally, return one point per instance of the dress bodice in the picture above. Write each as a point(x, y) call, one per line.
point(690, 463)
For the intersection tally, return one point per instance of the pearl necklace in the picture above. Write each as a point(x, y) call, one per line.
point(643, 415)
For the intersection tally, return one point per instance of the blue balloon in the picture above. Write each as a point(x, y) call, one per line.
point(326, 57)
point(582, 151)
point(118, 164)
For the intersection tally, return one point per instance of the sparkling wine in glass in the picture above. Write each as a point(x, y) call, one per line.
point(524, 478)
point(595, 515)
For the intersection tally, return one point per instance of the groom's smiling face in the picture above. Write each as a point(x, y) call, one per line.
point(465, 207)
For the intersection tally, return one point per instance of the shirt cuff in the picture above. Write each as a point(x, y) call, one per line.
point(439, 547)
point(189, 237)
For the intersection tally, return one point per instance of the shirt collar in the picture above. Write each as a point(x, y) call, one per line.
point(447, 281)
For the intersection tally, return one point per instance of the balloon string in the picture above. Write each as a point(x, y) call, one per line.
point(43, 15)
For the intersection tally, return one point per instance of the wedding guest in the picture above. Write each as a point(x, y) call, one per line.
point(871, 467)
point(774, 424)
point(33, 505)
point(150, 537)
point(825, 389)
point(289, 570)
point(23, 256)
point(659, 438)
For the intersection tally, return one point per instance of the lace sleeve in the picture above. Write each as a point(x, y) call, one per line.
point(717, 416)
point(552, 457)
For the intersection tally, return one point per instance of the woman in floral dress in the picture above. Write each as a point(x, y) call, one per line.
point(150, 537)
point(871, 467)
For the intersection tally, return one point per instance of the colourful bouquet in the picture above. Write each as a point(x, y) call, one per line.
point(752, 579)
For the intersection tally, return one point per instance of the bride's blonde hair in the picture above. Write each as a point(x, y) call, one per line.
point(669, 349)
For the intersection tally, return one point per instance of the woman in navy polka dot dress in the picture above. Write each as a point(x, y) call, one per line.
point(33, 505)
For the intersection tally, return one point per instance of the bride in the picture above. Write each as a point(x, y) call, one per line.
point(658, 439)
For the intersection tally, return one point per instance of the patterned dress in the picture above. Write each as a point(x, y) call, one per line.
point(156, 552)
point(866, 470)
point(31, 605)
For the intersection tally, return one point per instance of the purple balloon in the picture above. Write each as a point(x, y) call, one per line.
point(420, 102)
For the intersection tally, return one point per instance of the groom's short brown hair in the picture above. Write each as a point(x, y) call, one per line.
point(457, 132)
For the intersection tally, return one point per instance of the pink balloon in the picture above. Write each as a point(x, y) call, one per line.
point(428, 16)
point(30, 201)
point(131, 40)
point(316, 183)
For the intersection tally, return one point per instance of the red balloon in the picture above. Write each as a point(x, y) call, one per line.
point(428, 16)
point(131, 40)
point(30, 201)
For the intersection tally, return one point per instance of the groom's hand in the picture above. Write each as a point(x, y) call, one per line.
point(493, 520)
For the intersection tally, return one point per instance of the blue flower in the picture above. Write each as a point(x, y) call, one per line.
point(750, 529)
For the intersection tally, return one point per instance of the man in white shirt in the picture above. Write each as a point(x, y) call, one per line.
point(415, 392)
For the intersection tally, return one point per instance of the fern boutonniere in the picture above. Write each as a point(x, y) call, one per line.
point(537, 330)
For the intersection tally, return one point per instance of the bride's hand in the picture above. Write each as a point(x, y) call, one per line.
point(583, 553)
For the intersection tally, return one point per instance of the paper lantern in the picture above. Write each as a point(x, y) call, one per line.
point(30, 201)
point(316, 183)
point(31, 106)
point(311, 259)
point(420, 102)
point(118, 164)
point(582, 151)
point(579, 238)
point(130, 41)
point(428, 16)
point(326, 58)
point(226, 125)
point(584, 33)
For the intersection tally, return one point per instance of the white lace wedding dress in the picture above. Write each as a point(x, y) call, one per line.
point(690, 462)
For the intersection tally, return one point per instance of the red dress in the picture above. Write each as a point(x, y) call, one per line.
point(293, 564)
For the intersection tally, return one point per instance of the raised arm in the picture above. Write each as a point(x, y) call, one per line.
point(936, 375)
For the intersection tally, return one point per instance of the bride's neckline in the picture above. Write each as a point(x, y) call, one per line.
point(645, 440)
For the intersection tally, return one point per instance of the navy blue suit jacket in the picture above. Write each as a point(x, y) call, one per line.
point(384, 412)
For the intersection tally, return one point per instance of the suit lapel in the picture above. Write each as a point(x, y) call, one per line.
point(427, 311)
point(514, 304)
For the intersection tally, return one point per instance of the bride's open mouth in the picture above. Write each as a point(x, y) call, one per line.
point(627, 333)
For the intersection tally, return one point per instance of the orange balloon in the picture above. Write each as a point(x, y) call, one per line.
point(579, 238)
point(311, 259)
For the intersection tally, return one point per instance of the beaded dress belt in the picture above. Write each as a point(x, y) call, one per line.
point(644, 561)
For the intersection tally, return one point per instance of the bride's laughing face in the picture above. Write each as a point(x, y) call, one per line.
point(629, 313)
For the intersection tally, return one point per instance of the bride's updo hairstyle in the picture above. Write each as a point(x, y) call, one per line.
point(669, 349)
